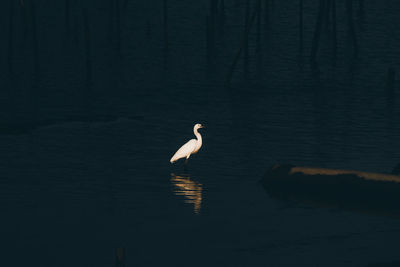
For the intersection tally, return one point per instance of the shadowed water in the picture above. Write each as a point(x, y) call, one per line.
point(96, 100)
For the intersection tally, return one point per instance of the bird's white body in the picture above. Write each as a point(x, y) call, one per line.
point(191, 147)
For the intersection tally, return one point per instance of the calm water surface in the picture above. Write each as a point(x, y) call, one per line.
point(89, 129)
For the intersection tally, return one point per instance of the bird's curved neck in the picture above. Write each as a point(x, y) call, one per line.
point(199, 140)
point(197, 134)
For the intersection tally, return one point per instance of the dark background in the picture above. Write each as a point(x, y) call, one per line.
point(96, 96)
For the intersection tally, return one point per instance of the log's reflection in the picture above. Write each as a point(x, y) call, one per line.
point(192, 191)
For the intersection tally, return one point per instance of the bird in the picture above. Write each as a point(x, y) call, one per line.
point(191, 147)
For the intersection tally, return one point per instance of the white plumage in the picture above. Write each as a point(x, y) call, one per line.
point(191, 147)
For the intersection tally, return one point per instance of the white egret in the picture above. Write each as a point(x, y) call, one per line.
point(191, 147)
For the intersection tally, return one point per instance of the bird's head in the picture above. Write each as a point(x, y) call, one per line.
point(198, 126)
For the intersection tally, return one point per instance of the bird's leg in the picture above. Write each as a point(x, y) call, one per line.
point(186, 164)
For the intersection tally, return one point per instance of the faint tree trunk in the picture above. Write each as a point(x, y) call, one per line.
point(334, 31)
point(351, 28)
point(301, 27)
point(246, 44)
point(67, 19)
point(11, 39)
point(118, 26)
point(317, 31)
point(165, 23)
point(258, 7)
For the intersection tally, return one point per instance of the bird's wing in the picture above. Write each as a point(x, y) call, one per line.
point(185, 150)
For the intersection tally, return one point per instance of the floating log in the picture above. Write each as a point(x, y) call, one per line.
point(346, 189)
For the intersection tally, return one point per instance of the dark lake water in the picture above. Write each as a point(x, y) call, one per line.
point(94, 104)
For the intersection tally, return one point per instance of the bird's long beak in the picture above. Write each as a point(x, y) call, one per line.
point(202, 126)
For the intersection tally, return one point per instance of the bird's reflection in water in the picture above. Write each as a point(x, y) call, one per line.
point(192, 191)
